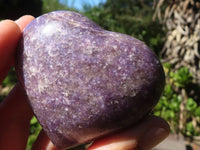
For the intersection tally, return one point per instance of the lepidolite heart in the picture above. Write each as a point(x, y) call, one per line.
point(82, 81)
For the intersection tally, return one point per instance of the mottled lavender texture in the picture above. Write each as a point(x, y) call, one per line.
point(84, 82)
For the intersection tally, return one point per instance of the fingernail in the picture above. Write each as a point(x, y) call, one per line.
point(153, 137)
point(16, 21)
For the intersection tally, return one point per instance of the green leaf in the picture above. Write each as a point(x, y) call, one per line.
point(190, 128)
point(181, 77)
point(10, 79)
point(191, 105)
point(174, 106)
point(167, 65)
point(197, 112)
point(168, 91)
point(33, 120)
point(168, 115)
point(157, 113)
point(158, 106)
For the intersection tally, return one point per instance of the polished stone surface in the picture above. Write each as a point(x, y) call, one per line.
point(82, 81)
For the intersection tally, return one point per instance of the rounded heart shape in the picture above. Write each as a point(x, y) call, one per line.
point(84, 82)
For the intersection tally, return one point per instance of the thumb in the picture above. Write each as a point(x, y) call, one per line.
point(142, 136)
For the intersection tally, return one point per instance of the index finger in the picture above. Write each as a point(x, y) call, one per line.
point(24, 21)
point(9, 36)
point(10, 33)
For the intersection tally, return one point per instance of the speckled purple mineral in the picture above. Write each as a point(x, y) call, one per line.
point(82, 81)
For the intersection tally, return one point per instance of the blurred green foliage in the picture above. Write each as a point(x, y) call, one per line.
point(182, 77)
point(129, 17)
point(35, 129)
point(11, 79)
point(169, 106)
point(53, 5)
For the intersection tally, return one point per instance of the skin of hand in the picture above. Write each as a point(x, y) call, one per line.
point(15, 112)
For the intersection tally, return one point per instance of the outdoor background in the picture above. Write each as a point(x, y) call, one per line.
point(170, 28)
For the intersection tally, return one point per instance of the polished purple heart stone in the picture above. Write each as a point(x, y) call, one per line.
point(84, 82)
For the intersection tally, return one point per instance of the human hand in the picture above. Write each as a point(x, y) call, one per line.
point(15, 112)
